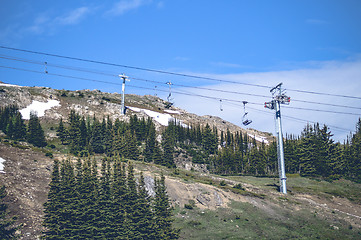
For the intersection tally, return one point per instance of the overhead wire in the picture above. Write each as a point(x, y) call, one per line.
point(132, 67)
point(119, 84)
point(177, 91)
point(298, 119)
point(172, 73)
point(159, 82)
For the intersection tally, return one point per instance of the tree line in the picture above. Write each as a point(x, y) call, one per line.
point(84, 203)
point(12, 124)
point(313, 153)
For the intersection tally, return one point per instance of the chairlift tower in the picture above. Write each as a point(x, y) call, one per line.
point(279, 97)
point(125, 78)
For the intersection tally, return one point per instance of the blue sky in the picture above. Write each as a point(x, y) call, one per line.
point(308, 45)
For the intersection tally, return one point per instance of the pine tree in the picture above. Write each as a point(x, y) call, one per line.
point(96, 138)
point(75, 135)
point(68, 202)
point(35, 134)
point(87, 201)
point(6, 115)
point(130, 146)
point(209, 140)
point(355, 161)
point(51, 218)
point(61, 132)
point(157, 157)
point(130, 201)
point(272, 161)
point(150, 143)
point(118, 191)
point(163, 213)
point(168, 150)
point(308, 152)
point(104, 203)
point(143, 214)
point(60, 214)
point(7, 225)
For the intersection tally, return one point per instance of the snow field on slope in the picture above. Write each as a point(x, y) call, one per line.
point(2, 165)
point(39, 107)
point(162, 118)
point(259, 139)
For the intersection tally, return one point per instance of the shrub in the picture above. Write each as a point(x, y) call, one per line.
point(238, 186)
point(223, 183)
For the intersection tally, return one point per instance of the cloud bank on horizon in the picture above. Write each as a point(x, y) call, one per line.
point(333, 77)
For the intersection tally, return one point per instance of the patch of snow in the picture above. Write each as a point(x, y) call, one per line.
point(162, 118)
point(2, 165)
point(39, 107)
point(259, 139)
point(9, 85)
point(134, 109)
point(172, 111)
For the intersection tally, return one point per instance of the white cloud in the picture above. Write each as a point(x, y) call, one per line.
point(45, 22)
point(330, 77)
point(228, 65)
point(124, 6)
point(160, 5)
point(181, 59)
point(73, 17)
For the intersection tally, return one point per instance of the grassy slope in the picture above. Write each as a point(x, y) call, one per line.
point(276, 221)
point(245, 221)
point(268, 214)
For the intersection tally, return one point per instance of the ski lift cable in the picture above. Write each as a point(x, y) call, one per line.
point(291, 117)
point(299, 119)
point(180, 85)
point(131, 67)
point(178, 92)
point(170, 73)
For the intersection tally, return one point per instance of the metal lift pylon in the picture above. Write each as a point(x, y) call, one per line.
point(279, 98)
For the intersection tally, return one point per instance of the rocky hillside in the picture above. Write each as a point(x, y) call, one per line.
point(100, 104)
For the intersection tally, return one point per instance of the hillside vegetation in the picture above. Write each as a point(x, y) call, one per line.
point(220, 180)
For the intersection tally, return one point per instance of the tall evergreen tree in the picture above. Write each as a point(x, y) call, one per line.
point(355, 161)
point(53, 204)
point(7, 225)
point(35, 134)
point(168, 150)
point(209, 140)
point(143, 214)
point(163, 213)
point(150, 143)
point(61, 132)
point(97, 138)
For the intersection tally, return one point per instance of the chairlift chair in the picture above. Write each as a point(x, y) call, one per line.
point(169, 98)
point(245, 121)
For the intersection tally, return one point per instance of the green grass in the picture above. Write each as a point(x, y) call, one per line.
point(339, 188)
point(244, 221)
point(296, 184)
